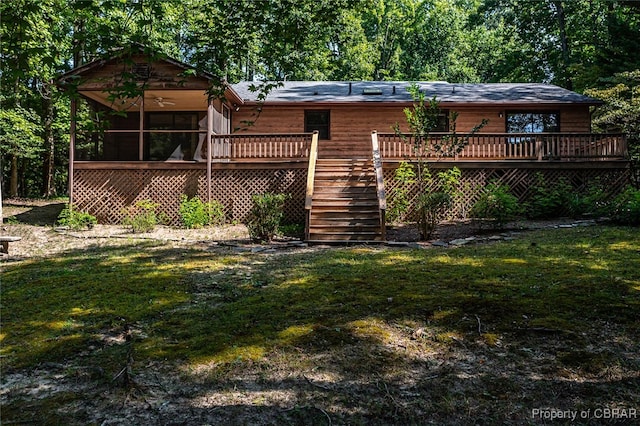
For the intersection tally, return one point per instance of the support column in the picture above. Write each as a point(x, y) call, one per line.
point(72, 146)
point(141, 134)
point(209, 138)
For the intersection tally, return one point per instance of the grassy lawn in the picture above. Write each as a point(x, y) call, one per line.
point(476, 334)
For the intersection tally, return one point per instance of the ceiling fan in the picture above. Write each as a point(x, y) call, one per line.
point(161, 102)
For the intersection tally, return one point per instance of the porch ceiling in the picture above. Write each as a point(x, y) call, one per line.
point(154, 100)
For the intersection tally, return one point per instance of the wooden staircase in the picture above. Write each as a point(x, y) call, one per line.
point(344, 204)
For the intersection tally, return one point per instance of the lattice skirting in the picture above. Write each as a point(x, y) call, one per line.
point(520, 180)
point(106, 193)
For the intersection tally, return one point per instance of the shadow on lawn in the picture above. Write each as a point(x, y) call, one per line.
point(44, 215)
point(353, 315)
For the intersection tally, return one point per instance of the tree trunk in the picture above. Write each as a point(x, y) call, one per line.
point(48, 187)
point(564, 45)
point(13, 184)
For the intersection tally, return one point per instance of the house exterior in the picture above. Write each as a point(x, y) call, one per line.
point(159, 131)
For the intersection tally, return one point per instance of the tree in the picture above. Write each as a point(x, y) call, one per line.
point(423, 119)
point(20, 140)
point(621, 111)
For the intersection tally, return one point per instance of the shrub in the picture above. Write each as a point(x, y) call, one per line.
point(548, 201)
point(265, 216)
point(76, 220)
point(405, 177)
point(432, 207)
point(592, 202)
point(194, 213)
point(625, 208)
point(293, 230)
point(142, 217)
point(496, 203)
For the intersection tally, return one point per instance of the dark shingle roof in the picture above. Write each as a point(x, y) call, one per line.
point(396, 91)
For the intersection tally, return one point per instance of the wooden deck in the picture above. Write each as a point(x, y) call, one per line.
point(343, 190)
point(510, 146)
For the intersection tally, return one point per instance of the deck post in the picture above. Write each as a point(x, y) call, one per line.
point(72, 147)
point(209, 138)
point(539, 149)
point(141, 130)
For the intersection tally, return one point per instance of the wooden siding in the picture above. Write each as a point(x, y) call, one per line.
point(163, 75)
point(351, 125)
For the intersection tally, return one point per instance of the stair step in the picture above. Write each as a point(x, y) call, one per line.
point(346, 189)
point(337, 205)
point(373, 214)
point(322, 238)
point(343, 184)
point(345, 204)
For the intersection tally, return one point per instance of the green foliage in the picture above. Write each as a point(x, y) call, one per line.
point(496, 203)
point(398, 198)
point(625, 208)
point(265, 216)
point(432, 208)
point(294, 230)
point(195, 213)
point(423, 119)
point(142, 217)
point(621, 111)
point(593, 201)
point(434, 204)
point(76, 220)
point(548, 200)
point(20, 133)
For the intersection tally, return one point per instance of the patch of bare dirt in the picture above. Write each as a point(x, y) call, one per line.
point(34, 221)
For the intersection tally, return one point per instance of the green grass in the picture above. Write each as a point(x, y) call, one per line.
point(454, 335)
point(202, 307)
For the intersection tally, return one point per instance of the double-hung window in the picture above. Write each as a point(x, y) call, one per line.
point(318, 120)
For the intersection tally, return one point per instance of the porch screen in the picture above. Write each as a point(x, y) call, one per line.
point(167, 144)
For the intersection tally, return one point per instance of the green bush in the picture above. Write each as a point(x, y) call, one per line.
point(142, 217)
point(592, 202)
point(548, 201)
point(404, 177)
point(265, 216)
point(625, 208)
point(195, 213)
point(432, 207)
point(76, 220)
point(496, 203)
point(294, 230)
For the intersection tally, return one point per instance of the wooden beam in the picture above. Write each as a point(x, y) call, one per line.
point(72, 146)
point(141, 130)
point(209, 138)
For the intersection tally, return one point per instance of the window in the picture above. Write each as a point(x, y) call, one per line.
point(171, 146)
point(317, 120)
point(443, 122)
point(533, 122)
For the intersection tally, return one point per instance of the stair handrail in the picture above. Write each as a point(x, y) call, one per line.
point(311, 176)
point(377, 166)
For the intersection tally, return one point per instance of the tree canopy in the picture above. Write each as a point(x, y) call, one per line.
point(577, 44)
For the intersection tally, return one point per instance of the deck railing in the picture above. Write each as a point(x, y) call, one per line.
point(377, 166)
point(512, 146)
point(240, 146)
point(313, 158)
point(266, 146)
